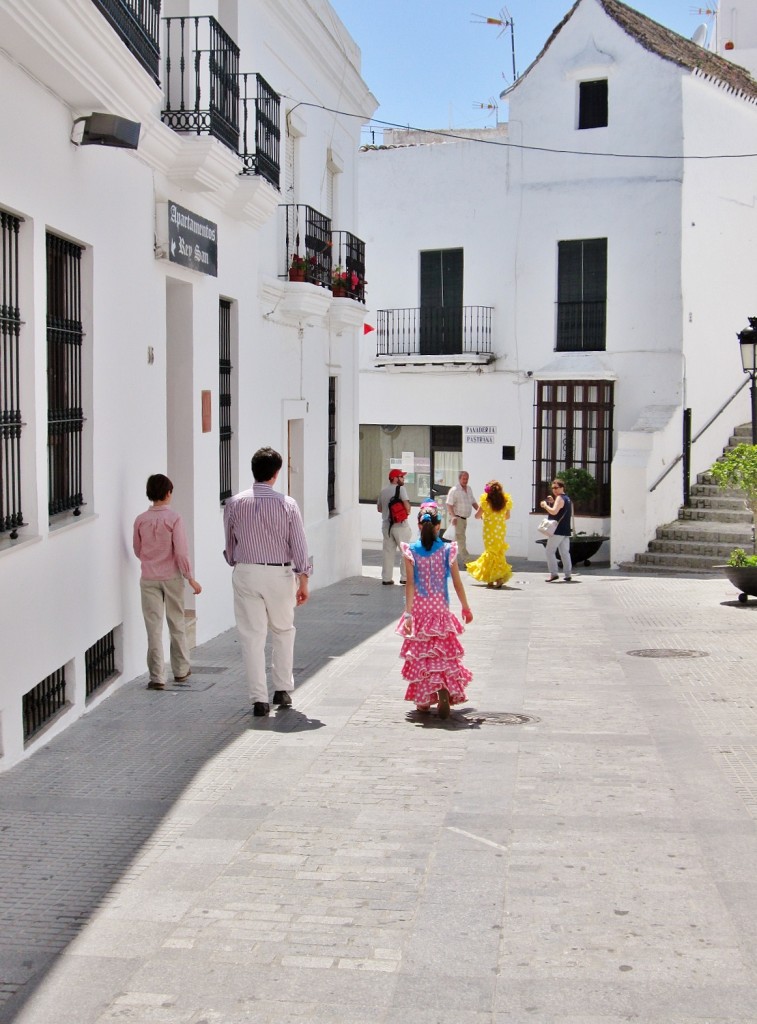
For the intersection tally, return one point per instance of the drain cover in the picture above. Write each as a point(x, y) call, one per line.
point(500, 718)
point(667, 652)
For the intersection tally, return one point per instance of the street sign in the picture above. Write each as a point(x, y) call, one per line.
point(192, 240)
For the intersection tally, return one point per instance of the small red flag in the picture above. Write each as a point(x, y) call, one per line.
point(367, 328)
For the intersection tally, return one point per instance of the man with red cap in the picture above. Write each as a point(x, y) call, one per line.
point(394, 506)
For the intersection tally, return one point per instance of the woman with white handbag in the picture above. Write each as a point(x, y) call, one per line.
point(559, 509)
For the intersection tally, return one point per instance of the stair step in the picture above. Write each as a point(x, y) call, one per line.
point(666, 570)
point(667, 559)
point(706, 501)
point(719, 552)
point(708, 489)
point(705, 533)
point(715, 515)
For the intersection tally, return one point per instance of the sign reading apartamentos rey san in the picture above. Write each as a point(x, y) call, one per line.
point(480, 435)
point(192, 240)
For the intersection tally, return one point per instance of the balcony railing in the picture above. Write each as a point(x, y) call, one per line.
point(202, 79)
point(348, 261)
point(434, 331)
point(137, 22)
point(581, 326)
point(261, 133)
point(307, 237)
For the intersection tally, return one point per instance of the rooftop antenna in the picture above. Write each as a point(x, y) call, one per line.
point(505, 22)
point(491, 105)
point(710, 27)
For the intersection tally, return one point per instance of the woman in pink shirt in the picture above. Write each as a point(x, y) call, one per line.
point(160, 543)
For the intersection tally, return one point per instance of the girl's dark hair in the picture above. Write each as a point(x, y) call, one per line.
point(158, 487)
point(428, 520)
point(496, 495)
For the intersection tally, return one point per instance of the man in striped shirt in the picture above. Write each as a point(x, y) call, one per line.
point(266, 545)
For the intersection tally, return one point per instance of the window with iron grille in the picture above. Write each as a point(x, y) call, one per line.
point(65, 415)
point(43, 703)
point(331, 487)
point(10, 412)
point(100, 662)
point(581, 295)
point(573, 428)
point(592, 104)
point(224, 398)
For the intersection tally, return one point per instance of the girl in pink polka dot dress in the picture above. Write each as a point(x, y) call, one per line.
point(431, 648)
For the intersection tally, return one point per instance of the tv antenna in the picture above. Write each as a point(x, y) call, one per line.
point(505, 22)
point(490, 105)
point(709, 38)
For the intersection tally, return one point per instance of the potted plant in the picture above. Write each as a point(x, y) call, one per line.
point(339, 282)
point(580, 486)
point(737, 470)
point(299, 267)
point(346, 283)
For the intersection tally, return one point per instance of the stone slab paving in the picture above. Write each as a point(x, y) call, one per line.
point(170, 859)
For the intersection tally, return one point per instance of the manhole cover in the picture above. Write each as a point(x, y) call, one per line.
point(667, 652)
point(500, 718)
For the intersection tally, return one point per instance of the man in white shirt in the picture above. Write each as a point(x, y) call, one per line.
point(460, 506)
point(394, 533)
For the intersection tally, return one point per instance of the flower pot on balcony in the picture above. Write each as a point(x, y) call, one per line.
point(338, 292)
point(297, 274)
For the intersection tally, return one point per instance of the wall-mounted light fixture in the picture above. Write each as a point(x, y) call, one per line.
point(107, 130)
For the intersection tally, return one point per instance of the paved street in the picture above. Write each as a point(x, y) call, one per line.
point(170, 859)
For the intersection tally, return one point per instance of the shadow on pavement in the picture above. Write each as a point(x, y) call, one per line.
point(75, 815)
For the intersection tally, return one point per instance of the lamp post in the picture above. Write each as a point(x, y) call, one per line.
point(748, 345)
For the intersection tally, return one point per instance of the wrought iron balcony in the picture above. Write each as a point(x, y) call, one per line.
point(581, 326)
point(261, 139)
point(348, 261)
point(435, 331)
point(137, 22)
point(202, 79)
point(307, 245)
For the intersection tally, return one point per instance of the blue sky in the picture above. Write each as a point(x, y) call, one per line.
point(428, 62)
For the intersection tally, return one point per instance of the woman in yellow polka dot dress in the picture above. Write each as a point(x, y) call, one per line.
point(492, 567)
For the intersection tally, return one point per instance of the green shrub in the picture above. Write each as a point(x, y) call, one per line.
point(739, 559)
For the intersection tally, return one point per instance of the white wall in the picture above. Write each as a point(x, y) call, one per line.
point(66, 584)
point(670, 287)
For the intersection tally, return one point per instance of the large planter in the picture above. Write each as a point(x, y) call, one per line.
point(582, 549)
point(743, 577)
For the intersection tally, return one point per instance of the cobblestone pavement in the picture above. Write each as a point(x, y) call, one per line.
point(576, 845)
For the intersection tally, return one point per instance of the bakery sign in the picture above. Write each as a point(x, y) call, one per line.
point(480, 435)
point(192, 240)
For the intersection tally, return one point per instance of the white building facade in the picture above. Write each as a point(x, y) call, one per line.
point(148, 320)
point(559, 296)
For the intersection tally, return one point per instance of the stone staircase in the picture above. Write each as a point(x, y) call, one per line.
point(704, 534)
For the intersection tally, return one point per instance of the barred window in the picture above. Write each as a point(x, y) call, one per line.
point(100, 663)
point(65, 415)
point(331, 487)
point(224, 398)
point(10, 413)
point(573, 429)
point(43, 702)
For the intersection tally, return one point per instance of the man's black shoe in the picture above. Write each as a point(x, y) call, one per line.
point(282, 698)
point(260, 710)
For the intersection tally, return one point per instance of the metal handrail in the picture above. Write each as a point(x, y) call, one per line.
point(696, 437)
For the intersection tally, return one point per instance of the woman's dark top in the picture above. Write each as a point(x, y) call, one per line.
point(563, 518)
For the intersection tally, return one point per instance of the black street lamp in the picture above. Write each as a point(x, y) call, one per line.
point(748, 344)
